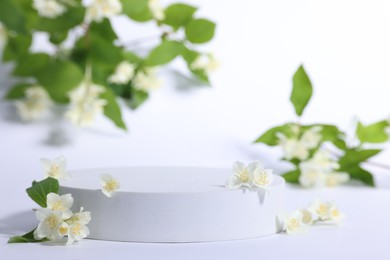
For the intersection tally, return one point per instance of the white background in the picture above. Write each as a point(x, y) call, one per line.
point(344, 46)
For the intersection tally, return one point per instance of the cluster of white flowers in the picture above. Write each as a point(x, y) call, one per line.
point(252, 176)
point(299, 148)
point(34, 105)
point(85, 104)
point(146, 80)
point(58, 222)
point(318, 171)
point(299, 220)
point(123, 73)
point(55, 168)
point(100, 9)
point(156, 10)
point(206, 62)
point(49, 8)
point(109, 184)
point(321, 171)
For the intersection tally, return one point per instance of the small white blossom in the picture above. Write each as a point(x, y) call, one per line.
point(336, 215)
point(311, 175)
point(62, 203)
point(34, 105)
point(77, 228)
point(242, 175)
point(294, 223)
point(49, 8)
point(208, 63)
point(50, 222)
point(123, 73)
point(293, 148)
point(337, 178)
point(156, 10)
point(324, 160)
point(109, 185)
point(100, 9)
point(55, 168)
point(85, 104)
point(146, 80)
point(262, 178)
point(321, 210)
point(312, 137)
point(326, 211)
point(307, 217)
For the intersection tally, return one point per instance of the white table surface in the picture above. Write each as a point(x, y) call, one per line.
point(348, 60)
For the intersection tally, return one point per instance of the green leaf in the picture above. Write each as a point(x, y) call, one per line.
point(353, 158)
point(163, 53)
point(270, 138)
point(177, 15)
point(17, 91)
point(30, 64)
point(302, 90)
point(200, 30)
point(103, 51)
point(112, 109)
point(137, 98)
point(131, 57)
point(138, 10)
point(374, 133)
point(334, 135)
point(292, 176)
point(26, 238)
point(17, 46)
point(39, 190)
point(58, 37)
point(58, 78)
point(71, 18)
point(12, 17)
point(359, 173)
point(104, 29)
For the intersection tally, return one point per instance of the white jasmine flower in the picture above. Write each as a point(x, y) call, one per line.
point(337, 178)
point(82, 217)
point(293, 148)
point(34, 105)
point(208, 63)
point(109, 185)
point(321, 210)
point(307, 217)
point(75, 227)
point(146, 80)
point(312, 137)
point(55, 168)
point(100, 9)
point(242, 175)
point(123, 73)
point(50, 222)
point(326, 211)
point(76, 232)
point(156, 10)
point(324, 160)
point(294, 223)
point(336, 215)
point(49, 8)
point(311, 175)
point(262, 178)
point(85, 104)
point(62, 203)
